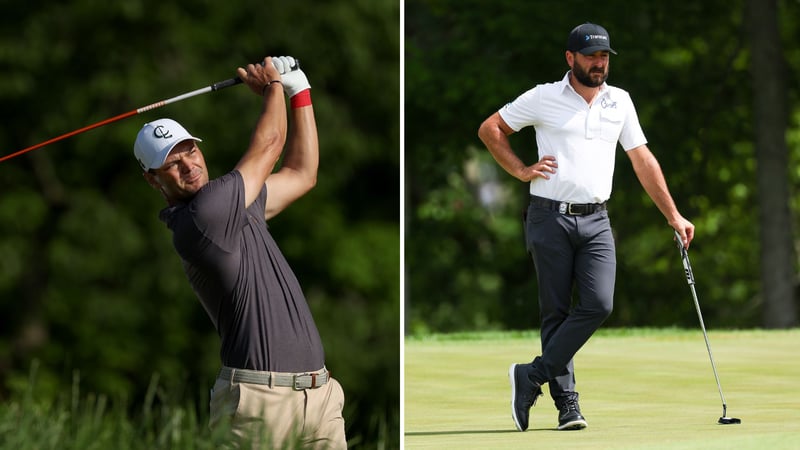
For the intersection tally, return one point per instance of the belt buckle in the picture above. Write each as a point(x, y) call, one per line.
point(571, 212)
point(296, 381)
point(564, 207)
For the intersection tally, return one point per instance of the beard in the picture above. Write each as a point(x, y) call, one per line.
point(590, 78)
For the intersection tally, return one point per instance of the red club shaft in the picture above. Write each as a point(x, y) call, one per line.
point(71, 133)
point(213, 87)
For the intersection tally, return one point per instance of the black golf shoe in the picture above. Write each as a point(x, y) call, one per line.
point(569, 415)
point(524, 393)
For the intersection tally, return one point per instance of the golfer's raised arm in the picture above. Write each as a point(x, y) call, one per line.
point(269, 136)
point(298, 171)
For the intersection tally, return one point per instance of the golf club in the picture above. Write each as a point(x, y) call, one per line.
point(213, 87)
point(687, 267)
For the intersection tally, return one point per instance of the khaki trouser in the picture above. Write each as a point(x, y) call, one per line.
point(264, 417)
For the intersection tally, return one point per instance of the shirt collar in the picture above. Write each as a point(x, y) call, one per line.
point(604, 90)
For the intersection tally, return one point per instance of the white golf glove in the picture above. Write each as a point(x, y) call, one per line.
point(293, 79)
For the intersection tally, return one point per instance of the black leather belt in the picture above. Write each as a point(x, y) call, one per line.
point(572, 209)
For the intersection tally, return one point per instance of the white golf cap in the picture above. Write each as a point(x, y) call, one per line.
point(156, 139)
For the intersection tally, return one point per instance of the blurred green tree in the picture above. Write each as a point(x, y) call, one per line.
point(686, 67)
point(88, 278)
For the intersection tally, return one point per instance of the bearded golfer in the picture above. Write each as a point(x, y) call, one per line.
point(578, 121)
point(273, 388)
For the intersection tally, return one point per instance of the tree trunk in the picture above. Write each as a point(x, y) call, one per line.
point(770, 92)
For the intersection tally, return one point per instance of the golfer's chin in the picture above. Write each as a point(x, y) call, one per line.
point(597, 79)
point(194, 187)
point(196, 182)
point(189, 189)
point(593, 79)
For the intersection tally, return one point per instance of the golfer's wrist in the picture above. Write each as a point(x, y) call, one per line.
point(301, 99)
point(264, 89)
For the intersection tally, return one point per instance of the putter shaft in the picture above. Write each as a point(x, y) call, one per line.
point(687, 267)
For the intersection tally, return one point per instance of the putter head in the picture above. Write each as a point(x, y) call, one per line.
point(728, 420)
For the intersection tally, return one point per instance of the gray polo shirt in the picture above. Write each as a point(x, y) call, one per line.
point(243, 280)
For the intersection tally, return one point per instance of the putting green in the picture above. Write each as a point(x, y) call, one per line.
point(649, 389)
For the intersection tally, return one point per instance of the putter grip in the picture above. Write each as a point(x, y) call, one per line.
point(687, 266)
point(678, 239)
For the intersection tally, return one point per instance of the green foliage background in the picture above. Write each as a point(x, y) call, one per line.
point(685, 65)
point(89, 281)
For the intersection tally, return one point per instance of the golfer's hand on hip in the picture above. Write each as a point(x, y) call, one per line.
point(542, 169)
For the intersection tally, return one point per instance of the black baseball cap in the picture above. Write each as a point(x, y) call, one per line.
point(588, 38)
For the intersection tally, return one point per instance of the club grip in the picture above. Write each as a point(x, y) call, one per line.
point(226, 83)
point(294, 67)
point(233, 81)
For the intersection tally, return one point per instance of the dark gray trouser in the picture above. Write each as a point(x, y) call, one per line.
point(569, 251)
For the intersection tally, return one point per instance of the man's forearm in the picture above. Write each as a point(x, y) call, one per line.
point(271, 122)
point(298, 172)
point(496, 141)
point(506, 158)
point(302, 150)
point(652, 179)
point(266, 142)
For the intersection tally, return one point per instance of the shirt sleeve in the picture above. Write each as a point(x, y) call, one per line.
point(631, 135)
point(218, 210)
point(522, 112)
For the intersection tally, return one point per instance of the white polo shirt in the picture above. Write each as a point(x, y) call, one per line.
point(582, 137)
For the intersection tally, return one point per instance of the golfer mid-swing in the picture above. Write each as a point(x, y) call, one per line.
point(273, 389)
point(578, 122)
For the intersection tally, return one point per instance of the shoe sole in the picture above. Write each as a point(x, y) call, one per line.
point(574, 425)
point(513, 395)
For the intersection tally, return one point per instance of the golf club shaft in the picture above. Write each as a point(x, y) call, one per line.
point(213, 87)
point(690, 279)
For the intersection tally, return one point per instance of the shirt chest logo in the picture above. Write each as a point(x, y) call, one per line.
point(605, 103)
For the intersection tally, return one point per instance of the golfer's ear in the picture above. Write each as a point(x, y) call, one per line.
point(151, 180)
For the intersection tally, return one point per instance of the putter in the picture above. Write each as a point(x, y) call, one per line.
point(724, 420)
point(211, 88)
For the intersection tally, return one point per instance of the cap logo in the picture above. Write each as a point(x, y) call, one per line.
point(161, 132)
point(595, 36)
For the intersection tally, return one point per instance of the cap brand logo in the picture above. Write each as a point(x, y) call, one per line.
point(595, 36)
point(161, 132)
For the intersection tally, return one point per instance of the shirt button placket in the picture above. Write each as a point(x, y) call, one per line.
point(592, 122)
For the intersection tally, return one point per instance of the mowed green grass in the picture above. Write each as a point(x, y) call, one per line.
point(640, 389)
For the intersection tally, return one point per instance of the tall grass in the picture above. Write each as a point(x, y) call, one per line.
point(90, 421)
point(86, 421)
